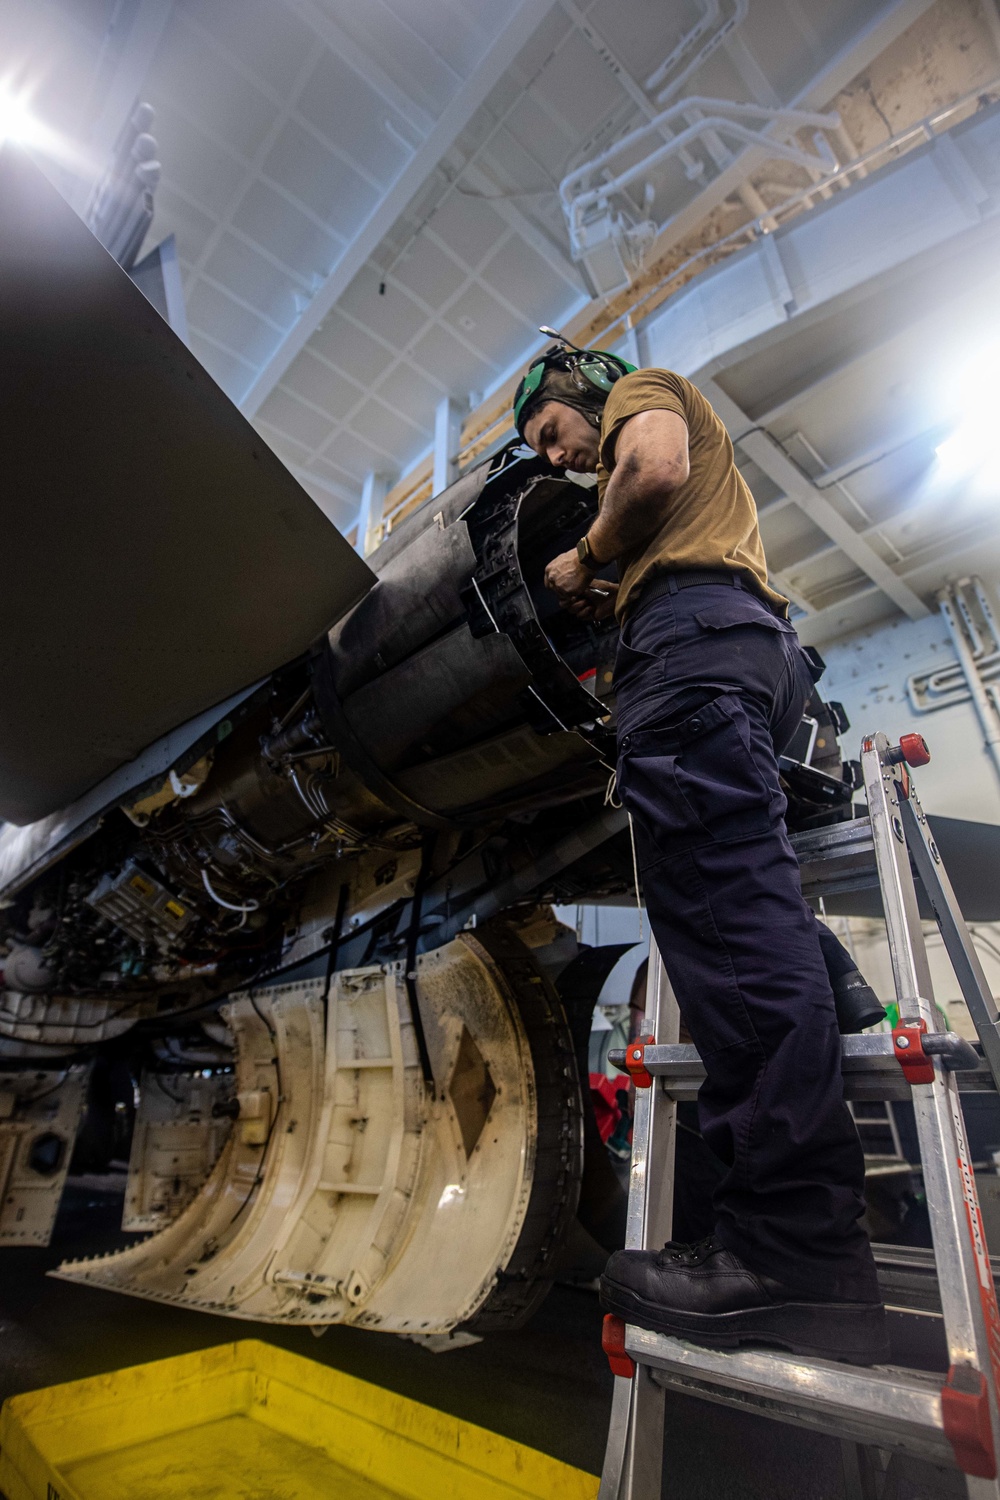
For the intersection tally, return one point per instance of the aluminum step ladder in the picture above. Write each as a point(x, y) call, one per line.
point(957, 1422)
point(878, 1131)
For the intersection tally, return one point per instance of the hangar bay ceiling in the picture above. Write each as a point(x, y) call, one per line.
point(367, 202)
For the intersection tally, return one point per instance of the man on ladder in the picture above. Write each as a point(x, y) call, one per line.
point(711, 683)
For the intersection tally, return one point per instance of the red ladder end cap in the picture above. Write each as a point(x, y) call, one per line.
point(914, 748)
point(908, 1047)
point(965, 1412)
point(613, 1344)
point(635, 1062)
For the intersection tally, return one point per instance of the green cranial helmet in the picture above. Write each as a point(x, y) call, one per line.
point(578, 377)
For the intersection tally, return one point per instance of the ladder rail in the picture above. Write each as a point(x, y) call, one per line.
point(908, 957)
point(891, 1408)
point(960, 948)
point(654, 1125)
point(955, 1218)
point(633, 1463)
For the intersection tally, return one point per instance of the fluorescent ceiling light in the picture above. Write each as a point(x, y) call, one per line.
point(17, 123)
point(969, 456)
point(22, 127)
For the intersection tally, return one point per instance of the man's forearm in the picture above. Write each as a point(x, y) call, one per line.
point(632, 512)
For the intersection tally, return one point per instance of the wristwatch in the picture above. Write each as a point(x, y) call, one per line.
point(587, 558)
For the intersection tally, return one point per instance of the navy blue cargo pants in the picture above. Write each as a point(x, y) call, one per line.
point(710, 686)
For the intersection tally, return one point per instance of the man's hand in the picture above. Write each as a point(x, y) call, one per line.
point(567, 577)
point(584, 596)
point(598, 603)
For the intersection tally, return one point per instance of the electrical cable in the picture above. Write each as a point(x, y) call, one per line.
point(44, 1094)
point(412, 936)
point(259, 1177)
point(334, 934)
point(251, 905)
point(264, 974)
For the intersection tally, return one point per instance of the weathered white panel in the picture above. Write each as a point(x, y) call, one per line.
point(715, 314)
point(340, 1160)
point(876, 225)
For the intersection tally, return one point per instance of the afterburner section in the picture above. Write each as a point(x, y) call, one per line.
point(341, 1158)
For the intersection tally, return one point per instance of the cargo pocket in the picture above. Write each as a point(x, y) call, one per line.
point(695, 781)
point(636, 668)
point(741, 608)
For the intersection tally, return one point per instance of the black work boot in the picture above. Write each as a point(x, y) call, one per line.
point(705, 1293)
point(857, 1004)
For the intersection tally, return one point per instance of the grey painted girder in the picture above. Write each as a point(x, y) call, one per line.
point(889, 22)
point(769, 456)
point(518, 30)
point(533, 234)
point(322, 24)
point(817, 264)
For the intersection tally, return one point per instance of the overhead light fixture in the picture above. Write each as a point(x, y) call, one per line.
point(969, 452)
point(969, 456)
point(21, 126)
point(17, 123)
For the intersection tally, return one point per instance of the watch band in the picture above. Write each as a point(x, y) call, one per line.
point(587, 558)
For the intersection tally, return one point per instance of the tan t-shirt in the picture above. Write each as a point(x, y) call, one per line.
point(710, 521)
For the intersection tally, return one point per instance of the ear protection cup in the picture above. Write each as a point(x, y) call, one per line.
point(600, 370)
point(593, 372)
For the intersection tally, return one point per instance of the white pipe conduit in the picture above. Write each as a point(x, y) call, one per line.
point(723, 117)
point(708, 20)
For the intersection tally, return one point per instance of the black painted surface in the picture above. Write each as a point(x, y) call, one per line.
point(971, 855)
point(158, 557)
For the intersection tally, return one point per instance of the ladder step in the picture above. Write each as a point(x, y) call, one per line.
point(886, 1406)
point(839, 858)
point(907, 1276)
point(871, 1070)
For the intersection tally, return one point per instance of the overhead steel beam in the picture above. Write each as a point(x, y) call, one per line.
point(557, 258)
point(517, 32)
point(369, 516)
point(779, 581)
point(758, 85)
point(932, 553)
point(447, 430)
point(812, 385)
point(769, 456)
point(321, 23)
point(854, 612)
point(888, 448)
point(991, 15)
point(310, 481)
